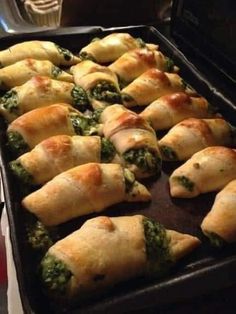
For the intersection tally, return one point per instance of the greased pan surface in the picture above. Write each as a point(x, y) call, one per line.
point(204, 270)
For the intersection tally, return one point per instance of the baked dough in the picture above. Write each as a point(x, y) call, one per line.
point(221, 220)
point(40, 50)
point(171, 109)
point(128, 131)
point(149, 86)
point(89, 75)
point(120, 255)
point(192, 135)
point(208, 170)
point(82, 190)
point(20, 72)
point(111, 47)
point(39, 91)
point(135, 62)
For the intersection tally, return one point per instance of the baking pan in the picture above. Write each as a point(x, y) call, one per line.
point(205, 270)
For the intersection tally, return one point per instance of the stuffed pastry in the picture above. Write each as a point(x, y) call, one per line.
point(220, 223)
point(111, 47)
point(129, 246)
point(20, 72)
point(60, 153)
point(31, 128)
point(41, 91)
point(135, 62)
point(133, 138)
point(82, 190)
point(206, 171)
point(98, 81)
point(151, 85)
point(192, 135)
point(171, 109)
point(40, 50)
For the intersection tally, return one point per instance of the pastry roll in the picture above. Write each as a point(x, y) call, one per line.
point(135, 62)
point(133, 138)
point(220, 223)
point(98, 81)
point(31, 128)
point(60, 153)
point(41, 91)
point(40, 50)
point(192, 135)
point(143, 247)
point(82, 190)
point(206, 171)
point(171, 109)
point(151, 85)
point(111, 47)
point(20, 72)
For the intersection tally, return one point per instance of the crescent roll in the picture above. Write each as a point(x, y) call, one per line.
point(60, 153)
point(82, 190)
point(171, 109)
point(31, 128)
point(111, 47)
point(151, 85)
point(129, 247)
point(98, 81)
point(135, 62)
point(206, 171)
point(220, 223)
point(133, 138)
point(40, 50)
point(40, 91)
point(20, 72)
point(192, 135)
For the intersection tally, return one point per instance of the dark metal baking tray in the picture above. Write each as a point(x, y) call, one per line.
point(205, 270)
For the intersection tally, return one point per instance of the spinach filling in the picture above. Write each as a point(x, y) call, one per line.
point(107, 150)
point(38, 237)
point(17, 143)
point(168, 153)
point(86, 56)
point(97, 114)
point(144, 159)
point(10, 102)
point(129, 180)
point(55, 275)
point(126, 98)
point(215, 239)
point(65, 52)
point(21, 173)
point(169, 65)
point(56, 71)
point(185, 182)
point(212, 109)
point(140, 42)
point(83, 125)
point(80, 98)
point(157, 247)
point(106, 91)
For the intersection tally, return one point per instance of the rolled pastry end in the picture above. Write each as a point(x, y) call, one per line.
point(182, 187)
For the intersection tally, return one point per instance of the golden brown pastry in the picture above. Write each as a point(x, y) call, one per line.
point(130, 246)
point(83, 190)
point(20, 72)
point(60, 153)
point(206, 171)
point(135, 62)
point(98, 81)
point(133, 138)
point(111, 47)
point(151, 85)
point(171, 109)
point(192, 135)
point(220, 223)
point(40, 50)
point(30, 129)
point(40, 91)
